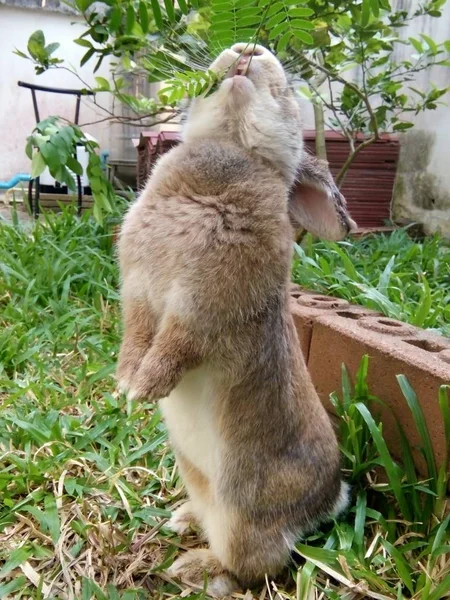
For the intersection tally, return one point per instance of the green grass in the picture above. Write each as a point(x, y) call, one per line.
point(392, 274)
point(87, 479)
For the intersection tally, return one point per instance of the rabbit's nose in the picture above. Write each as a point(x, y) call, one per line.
point(248, 49)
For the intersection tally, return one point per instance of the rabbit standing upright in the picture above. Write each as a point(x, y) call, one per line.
point(205, 256)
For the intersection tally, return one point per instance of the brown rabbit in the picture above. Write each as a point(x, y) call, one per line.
point(205, 257)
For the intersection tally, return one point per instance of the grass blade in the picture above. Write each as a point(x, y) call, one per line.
point(391, 468)
point(422, 428)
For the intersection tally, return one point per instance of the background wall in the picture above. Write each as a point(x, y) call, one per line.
point(16, 109)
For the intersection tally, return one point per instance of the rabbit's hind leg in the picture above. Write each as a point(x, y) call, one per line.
point(249, 549)
point(194, 565)
point(198, 487)
point(183, 519)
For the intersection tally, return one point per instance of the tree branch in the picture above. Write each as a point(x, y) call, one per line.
point(352, 86)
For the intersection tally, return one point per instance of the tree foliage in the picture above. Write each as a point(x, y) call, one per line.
point(342, 54)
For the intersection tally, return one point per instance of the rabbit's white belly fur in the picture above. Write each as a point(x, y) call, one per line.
point(189, 415)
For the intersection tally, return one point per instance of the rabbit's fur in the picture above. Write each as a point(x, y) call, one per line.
point(205, 257)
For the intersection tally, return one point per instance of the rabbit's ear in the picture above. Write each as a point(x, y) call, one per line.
point(316, 204)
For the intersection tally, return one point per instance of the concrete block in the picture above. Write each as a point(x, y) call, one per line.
point(394, 348)
point(307, 306)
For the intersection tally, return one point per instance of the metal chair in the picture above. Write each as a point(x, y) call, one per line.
point(34, 205)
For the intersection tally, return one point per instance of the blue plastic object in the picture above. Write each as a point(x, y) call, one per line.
point(6, 185)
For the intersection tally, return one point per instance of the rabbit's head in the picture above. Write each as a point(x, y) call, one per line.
point(253, 106)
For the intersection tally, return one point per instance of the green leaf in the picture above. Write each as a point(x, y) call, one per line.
point(401, 563)
point(422, 427)
point(83, 42)
point(275, 8)
point(442, 532)
point(424, 307)
point(16, 558)
point(19, 53)
point(303, 36)
point(375, 7)
point(403, 126)
point(143, 16)
point(157, 14)
point(18, 583)
point(416, 43)
point(52, 48)
point(385, 277)
point(302, 24)
point(38, 165)
point(83, 5)
point(430, 43)
point(441, 590)
point(386, 458)
point(87, 56)
point(183, 6)
point(249, 21)
point(29, 148)
point(300, 12)
point(170, 10)
point(103, 83)
point(74, 165)
point(38, 38)
point(52, 518)
point(275, 20)
point(115, 19)
point(130, 20)
point(305, 581)
point(365, 12)
point(360, 520)
point(278, 30)
point(284, 41)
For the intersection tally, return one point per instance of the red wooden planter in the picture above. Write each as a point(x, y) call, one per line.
point(367, 187)
point(369, 182)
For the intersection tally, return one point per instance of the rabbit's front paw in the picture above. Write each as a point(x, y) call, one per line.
point(154, 380)
point(129, 362)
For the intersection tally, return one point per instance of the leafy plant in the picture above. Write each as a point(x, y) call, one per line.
point(319, 41)
point(52, 145)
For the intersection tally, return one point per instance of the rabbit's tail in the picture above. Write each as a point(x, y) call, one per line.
point(342, 501)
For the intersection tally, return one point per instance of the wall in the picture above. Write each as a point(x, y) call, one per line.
point(422, 190)
point(16, 108)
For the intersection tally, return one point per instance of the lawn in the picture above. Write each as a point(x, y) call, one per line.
point(392, 274)
point(87, 480)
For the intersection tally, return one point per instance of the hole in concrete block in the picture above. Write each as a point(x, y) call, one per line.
point(428, 345)
point(322, 302)
point(390, 323)
point(349, 315)
point(445, 355)
point(387, 326)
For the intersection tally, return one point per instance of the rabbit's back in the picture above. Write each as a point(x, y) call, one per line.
point(211, 245)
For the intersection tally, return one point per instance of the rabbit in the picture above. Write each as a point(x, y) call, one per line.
point(205, 256)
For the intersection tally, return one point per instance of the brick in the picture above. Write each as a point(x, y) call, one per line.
point(307, 306)
point(394, 348)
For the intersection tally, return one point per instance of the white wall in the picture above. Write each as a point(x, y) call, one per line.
point(422, 190)
point(16, 108)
